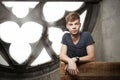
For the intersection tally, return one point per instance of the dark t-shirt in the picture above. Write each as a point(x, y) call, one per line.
point(79, 49)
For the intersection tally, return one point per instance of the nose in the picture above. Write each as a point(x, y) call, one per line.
point(73, 27)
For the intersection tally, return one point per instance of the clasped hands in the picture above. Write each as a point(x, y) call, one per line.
point(71, 67)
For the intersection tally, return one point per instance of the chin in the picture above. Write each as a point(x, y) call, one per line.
point(75, 33)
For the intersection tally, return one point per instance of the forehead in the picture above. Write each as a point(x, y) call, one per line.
point(75, 21)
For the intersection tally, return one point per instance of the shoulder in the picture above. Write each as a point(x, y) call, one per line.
point(66, 34)
point(86, 33)
point(65, 38)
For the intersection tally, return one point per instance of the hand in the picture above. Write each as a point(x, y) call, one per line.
point(71, 67)
point(74, 59)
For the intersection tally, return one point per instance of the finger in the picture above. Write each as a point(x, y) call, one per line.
point(69, 71)
point(77, 71)
point(72, 72)
point(65, 67)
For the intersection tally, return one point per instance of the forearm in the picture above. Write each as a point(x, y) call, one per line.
point(90, 56)
point(87, 58)
point(65, 58)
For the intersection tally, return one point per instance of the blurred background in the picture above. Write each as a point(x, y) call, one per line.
point(31, 33)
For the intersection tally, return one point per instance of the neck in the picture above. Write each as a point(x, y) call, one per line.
point(75, 36)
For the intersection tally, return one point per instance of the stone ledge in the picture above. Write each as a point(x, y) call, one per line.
point(93, 71)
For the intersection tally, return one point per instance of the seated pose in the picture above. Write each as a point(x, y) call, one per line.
point(76, 46)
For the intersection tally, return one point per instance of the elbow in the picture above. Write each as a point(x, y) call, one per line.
point(60, 57)
point(93, 58)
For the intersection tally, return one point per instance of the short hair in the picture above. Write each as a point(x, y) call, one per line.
point(72, 16)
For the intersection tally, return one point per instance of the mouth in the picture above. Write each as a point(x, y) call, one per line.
point(74, 31)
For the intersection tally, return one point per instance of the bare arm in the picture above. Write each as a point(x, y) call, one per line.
point(71, 66)
point(91, 54)
point(63, 54)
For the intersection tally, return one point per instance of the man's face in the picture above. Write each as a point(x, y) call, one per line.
point(73, 27)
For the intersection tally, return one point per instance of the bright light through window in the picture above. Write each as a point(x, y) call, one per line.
point(20, 51)
point(53, 11)
point(20, 11)
point(31, 32)
point(82, 18)
point(9, 31)
point(20, 8)
point(55, 35)
point(42, 58)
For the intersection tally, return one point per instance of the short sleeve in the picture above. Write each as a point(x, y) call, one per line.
point(89, 39)
point(64, 39)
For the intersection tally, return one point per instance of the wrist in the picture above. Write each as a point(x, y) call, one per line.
point(77, 59)
point(70, 60)
point(74, 59)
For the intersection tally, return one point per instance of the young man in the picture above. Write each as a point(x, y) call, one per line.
point(76, 46)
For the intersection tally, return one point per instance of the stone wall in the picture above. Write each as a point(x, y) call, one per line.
point(107, 31)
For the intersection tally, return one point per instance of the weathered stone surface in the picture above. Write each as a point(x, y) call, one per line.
point(94, 71)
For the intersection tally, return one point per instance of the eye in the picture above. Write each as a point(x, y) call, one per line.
point(70, 24)
point(76, 23)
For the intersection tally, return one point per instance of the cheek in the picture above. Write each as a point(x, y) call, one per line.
point(68, 27)
point(78, 27)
